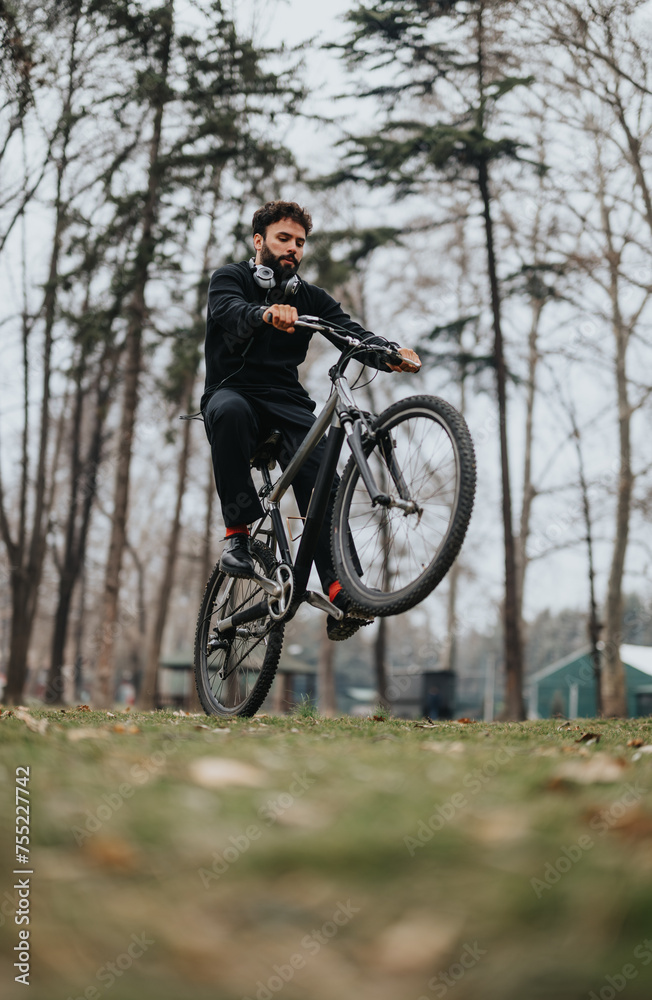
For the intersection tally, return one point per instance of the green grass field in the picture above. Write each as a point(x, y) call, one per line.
point(180, 857)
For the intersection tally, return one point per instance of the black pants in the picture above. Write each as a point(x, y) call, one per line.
point(235, 423)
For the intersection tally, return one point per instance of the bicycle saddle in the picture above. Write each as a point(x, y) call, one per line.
point(266, 451)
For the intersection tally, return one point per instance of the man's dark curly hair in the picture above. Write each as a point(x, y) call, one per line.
point(274, 211)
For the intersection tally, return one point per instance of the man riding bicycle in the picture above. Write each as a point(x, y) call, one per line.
point(252, 384)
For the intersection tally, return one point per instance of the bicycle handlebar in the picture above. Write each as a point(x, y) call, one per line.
point(317, 324)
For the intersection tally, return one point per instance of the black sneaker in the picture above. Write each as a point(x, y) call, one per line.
point(349, 625)
point(236, 557)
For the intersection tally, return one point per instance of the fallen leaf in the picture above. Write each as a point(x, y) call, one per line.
point(306, 816)
point(465, 720)
point(121, 727)
point(83, 708)
point(111, 715)
point(418, 941)
point(221, 772)
point(201, 725)
point(647, 748)
point(379, 718)
point(589, 738)
point(601, 768)
point(499, 826)
point(638, 742)
point(35, 725)
point(634, 824)
point(111, 852)
point(86, 733)
point(443, 746)
point(564, 725)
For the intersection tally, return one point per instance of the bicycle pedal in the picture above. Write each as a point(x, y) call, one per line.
point(323, 604)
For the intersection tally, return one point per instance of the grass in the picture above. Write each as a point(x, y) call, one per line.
point(316, 858)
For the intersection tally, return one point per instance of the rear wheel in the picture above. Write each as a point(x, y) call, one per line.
point(388, 558)
point(234, 670)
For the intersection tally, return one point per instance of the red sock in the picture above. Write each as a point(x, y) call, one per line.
point(238, 529)
point(334, 590)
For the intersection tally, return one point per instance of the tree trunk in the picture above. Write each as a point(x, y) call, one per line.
point(515, 707)
point(207, 559)
point(110, 629)
point(380, 663)
point(594, 624)
point(147, 693)
point(19, 641)
point(614, 698)
point(27, 564)
point(449, 651)
point(528, 487)
point(54, 689)
point(326, 678)
point(83, 491)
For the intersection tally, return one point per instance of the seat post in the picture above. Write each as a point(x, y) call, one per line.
point(279, 537)
point(267, 479)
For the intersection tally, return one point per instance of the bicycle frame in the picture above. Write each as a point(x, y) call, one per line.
point(320, 496)
point(342, 419)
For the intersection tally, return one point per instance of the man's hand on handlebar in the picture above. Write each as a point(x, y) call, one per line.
point(411, 362)
point(281, 316)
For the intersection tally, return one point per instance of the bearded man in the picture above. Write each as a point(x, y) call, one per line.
point(253, 352)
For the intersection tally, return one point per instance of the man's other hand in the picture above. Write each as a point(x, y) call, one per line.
point(412, 363)
point(282, 317)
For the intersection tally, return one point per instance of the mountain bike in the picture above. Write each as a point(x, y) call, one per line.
point(401, 512)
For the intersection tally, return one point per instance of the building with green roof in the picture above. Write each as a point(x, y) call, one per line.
point(567, 687)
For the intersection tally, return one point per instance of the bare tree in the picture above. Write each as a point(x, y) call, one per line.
point(26, 544)
point(606, 76)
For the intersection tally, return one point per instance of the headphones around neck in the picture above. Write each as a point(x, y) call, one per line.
point(265, 278)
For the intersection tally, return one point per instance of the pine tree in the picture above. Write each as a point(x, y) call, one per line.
point(449, 64)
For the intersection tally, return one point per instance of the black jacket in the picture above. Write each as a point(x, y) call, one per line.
point(243, 352)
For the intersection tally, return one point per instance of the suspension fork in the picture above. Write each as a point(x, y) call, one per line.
point(384, 439)
point(404, 502)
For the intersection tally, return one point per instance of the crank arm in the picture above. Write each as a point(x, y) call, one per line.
point(270, 587)
point(252, 614)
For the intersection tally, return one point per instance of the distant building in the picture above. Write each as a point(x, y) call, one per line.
point(295, 681)
point(567, 687)
point(416, 693)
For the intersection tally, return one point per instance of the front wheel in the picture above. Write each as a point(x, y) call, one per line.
point(389, 558)
point(234, 670)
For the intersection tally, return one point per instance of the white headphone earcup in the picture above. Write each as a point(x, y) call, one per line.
point(263, 275)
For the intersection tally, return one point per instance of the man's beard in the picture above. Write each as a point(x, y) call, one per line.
point(281, 270)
